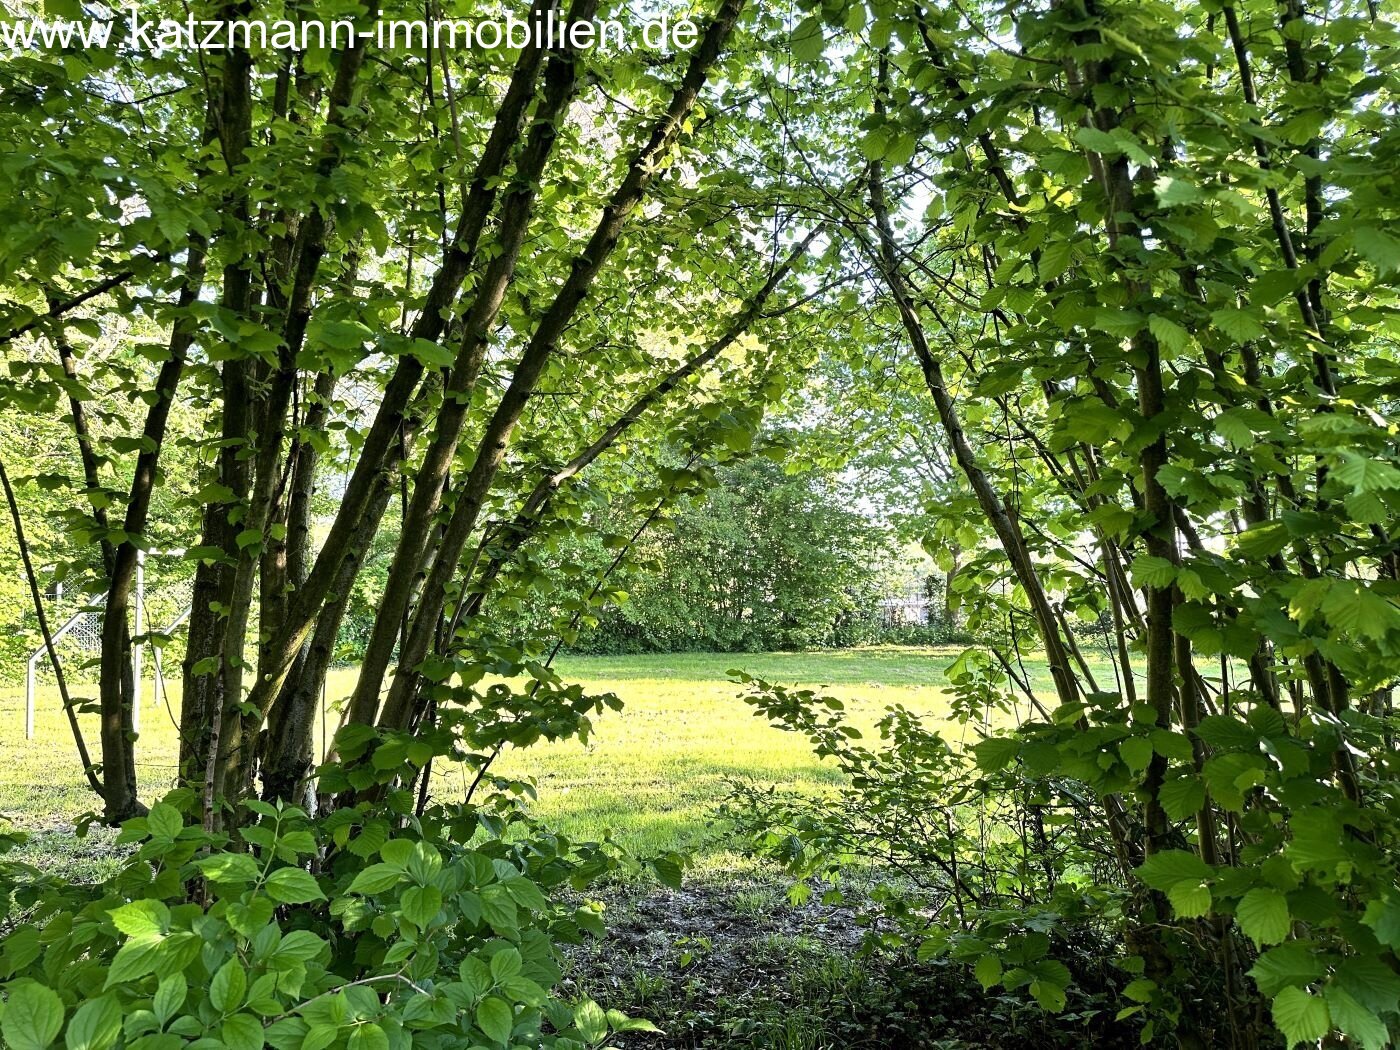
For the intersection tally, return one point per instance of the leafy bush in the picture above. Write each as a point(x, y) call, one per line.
point(368, 929)
point(996, 857)
point(960, 868)
point(763, 560)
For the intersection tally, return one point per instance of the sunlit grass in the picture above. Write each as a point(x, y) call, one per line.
point(650, 775)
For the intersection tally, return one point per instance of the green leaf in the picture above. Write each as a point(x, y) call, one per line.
point(1173, 192)
point(1182, 796)
point(227, 988)
point(1317, 841)
point(95, 1025)
point(526, 894)
point(988, 970)
point(505, 964)
point(1234, 428)
point(1140, 990)
point(229, 868)
point(1263, 916)
point(1289, 965)
point(807, 40)
point(496, 1018)
point(1050, 978)
point(136, 958)
point(421, 904)
point(1383, 916)
point(165, 819)
point(376, 879)
point(498, 909)
point(1377, 247)
point(590, 1021)
point(299, 945)
point(1170, 335)
point(1055, 260)
point(368, 1036)
point(431, 354)
point(143, 916)
point(293, 886)
point(1370, 981)
point(996, 752)
point(1150, 571)
point(1164, 870)
point(242, 1032)
point(1171, 744)
point(1356, 1021)
point(338, 335)
point(634, 1024)
point(170, 996)
point(668, 870)
point(1136, 752)
point(1227, 733)
point(1190, 900)
point(1302, 1018)
point(33, 1016)
point(1101, 142)
point(1366, 475)
point(1239, 325)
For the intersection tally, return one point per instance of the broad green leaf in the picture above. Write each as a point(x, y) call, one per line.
point(1190, 900)
point(136, 958)
point(1136, 752)
point(1377, 247)
point(590, 1020)
point(505, 964)
point(376, 879)
point(170, 996)
point(1174, 192)
point(228, 986)
point(95, 1025)
point(1356, 1021)
point(1263, 916)
point(1302, 1018)
point(1370, 981)
point(1239, 325)
point(293, 886)
point(1170, 335)
point(1164, 870)
point(1183, 795)
point(242, 1032)
point(421, 904)
point(164, 819)
point(1292, 964)
point(807, 40)
point(1366, 475)
point(495, 1017)
point(988, 970)
point(33, 1016)
point(668, 870)
point(368, 1036)
point(1150, 571)
point(140, 917)
point(996, 753)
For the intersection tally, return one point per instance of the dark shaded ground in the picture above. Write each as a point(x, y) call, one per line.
point(732, 964)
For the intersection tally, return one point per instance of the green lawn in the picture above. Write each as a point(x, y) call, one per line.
point(651, 774)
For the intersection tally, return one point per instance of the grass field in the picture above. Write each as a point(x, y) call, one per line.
point(651, 775)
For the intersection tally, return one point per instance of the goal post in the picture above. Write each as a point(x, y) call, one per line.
point(84, 627)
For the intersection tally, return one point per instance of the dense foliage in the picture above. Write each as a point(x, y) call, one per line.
point(1102, 289)
point(760, 561)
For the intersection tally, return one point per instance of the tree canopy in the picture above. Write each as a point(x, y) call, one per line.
point(1102, 291)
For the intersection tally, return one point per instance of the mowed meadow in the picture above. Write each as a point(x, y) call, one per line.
point(650, 776)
